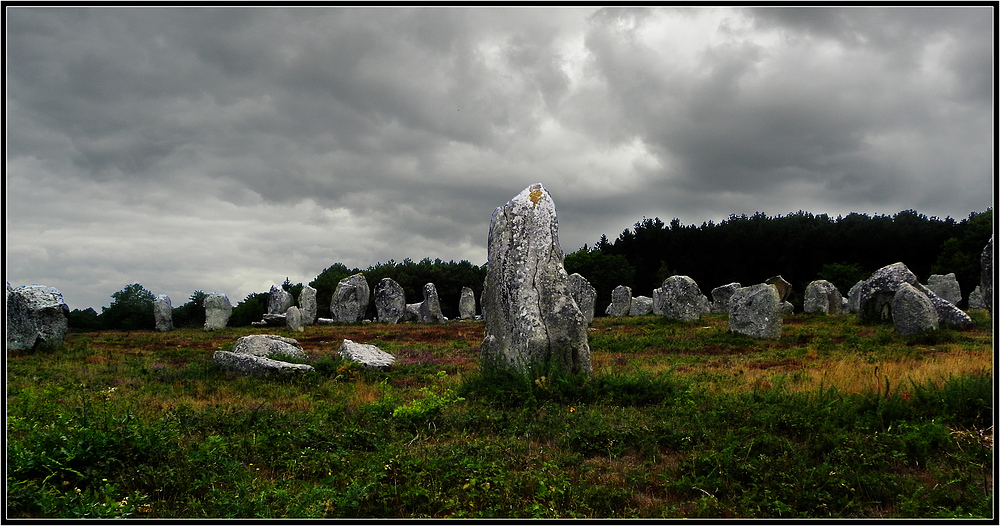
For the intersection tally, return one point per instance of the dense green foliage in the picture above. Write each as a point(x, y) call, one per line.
point(132, 309)
point(801, 247)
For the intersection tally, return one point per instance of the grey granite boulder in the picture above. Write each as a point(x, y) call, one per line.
point(680, 298)
point(365, 354)
point(755, 311)
point(784, 288)
point(854, 298)
point(350, 299)
point(308, 308)
point(721, 295)
point(822, 297)
point(217, 311)
point(584, 294)
point(430, 308)
point(640, 306)
point(467, 304)
point(875, 297)
point(412, 312)
point(912, 311)
point(278, 300)
point(163, 313)
point(390, 301)
point(293, 319)
point(976, 299)
point(253, 356)
point(946, 287)
point(37, 318)
point(986, 283)
point(621, 302)
point(531, 318)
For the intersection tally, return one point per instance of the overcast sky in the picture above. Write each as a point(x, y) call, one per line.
point(225, 149)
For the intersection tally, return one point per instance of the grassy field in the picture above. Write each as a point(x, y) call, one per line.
point(835, 419)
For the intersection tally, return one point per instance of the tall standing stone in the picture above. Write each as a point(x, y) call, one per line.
point(293, 318)
point(217, 311)
point(350, 299)
point(946, 287)
point(163, 313)
point(307, 305)
point(467, 304)
point(621, 302)
point(680, 298)
point(721, 295)
point(278, 300)
point(531, 318)
point(390, 301)
point(755, 311)
point(37, 317)
point(783, 286)
point(584, 294)
point(430, 309)
point(822, 297)
point(986, 278)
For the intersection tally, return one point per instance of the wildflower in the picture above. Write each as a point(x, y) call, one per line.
point(572, 409)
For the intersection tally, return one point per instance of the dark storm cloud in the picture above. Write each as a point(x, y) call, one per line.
point(227, 148)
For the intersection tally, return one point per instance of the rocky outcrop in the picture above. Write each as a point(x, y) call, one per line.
point(755, 311)
point(37, 317)
point(163, 313)
point(390, 301)
point(531, 318)
point(876, 294)
point(350, 299)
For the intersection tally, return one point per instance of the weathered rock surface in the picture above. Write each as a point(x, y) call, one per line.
point(584, 294)
point(912, 311)
point(268, 345)
point(854, 298)
point(680, 298)
point(308, 307)
point(621, 301)
point(252, 356)
point(784, 287)
point(755, 311)
point(640, 306)
point(163, 313)
point(390, 301)
point(946, 287)
point(365, 354)
point(822, 297)
point(271, 320)
point(467, 304)
point(293, 318)
point(721, 295)
point(278, 300)
point(217, 311)
point(350, 299)
point(37, 317)
point(986, 278)
point(430, 308)
point(976, 299)
point(875, 297)
point(531, 318)
point(412, 312)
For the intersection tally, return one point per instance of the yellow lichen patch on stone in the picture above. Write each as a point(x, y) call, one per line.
point(536, 193)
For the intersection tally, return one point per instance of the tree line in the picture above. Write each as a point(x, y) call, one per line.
point(801, 247)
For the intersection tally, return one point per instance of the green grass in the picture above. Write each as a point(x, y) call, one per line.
point(680, 420)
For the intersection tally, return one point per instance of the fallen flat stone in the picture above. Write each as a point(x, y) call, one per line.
point(251, 365)
point(365, 354)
